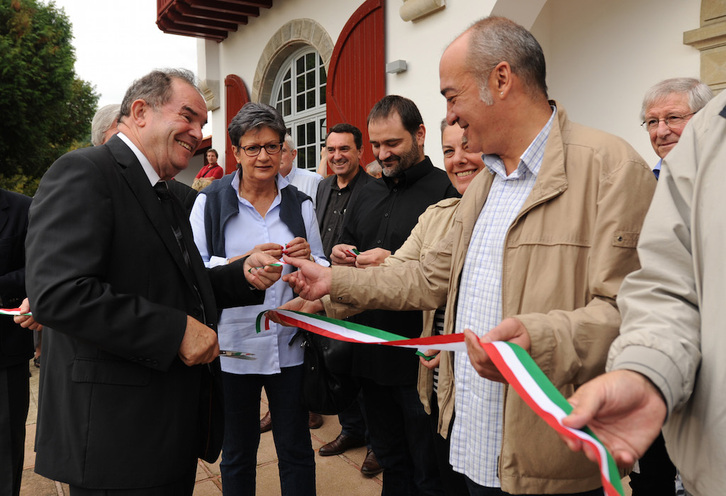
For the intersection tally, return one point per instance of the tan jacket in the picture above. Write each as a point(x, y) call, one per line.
point(566, 254)
point(673, 308)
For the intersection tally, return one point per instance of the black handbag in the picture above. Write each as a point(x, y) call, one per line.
point(328, 387)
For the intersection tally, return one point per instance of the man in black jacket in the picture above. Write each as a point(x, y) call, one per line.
point(130, 358)
point(16, 343)
point(377, 224)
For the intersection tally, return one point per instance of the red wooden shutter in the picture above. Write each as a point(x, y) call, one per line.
point(237, 96)
point(357, 73)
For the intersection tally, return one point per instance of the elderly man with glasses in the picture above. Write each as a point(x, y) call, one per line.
point(667, 108)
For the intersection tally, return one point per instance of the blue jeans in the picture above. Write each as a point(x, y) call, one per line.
point(477, 490)
point(296, 459)
point(402, 439)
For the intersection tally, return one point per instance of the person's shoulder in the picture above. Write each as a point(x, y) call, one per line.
point(217, 186)
point(309, 174)
point(295, 192)
point(445, 204)
point(14, 199)
point(611, 150)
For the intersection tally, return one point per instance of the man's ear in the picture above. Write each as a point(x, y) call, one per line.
point(420, 135)
point(139, 112)
point(500, 80)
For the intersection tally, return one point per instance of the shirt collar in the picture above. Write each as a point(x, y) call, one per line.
point(532, 157)
point(351, 183)
point(145, 164)
point(410, 175)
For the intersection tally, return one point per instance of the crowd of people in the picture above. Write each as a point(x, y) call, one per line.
point(537, 231)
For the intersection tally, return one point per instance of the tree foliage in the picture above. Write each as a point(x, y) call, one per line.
point(46, 108)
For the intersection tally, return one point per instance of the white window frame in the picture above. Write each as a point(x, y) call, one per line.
point(307, 126)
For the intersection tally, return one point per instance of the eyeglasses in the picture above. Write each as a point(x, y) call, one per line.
point(254, 150)
point(671, 121)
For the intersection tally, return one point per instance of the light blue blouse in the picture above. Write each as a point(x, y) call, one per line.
point(243, 232)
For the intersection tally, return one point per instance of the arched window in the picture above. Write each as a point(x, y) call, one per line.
point(299, 95)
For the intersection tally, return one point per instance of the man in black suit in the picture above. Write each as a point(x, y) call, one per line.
point(344, 147)
point(130, 355)
point(16, 343)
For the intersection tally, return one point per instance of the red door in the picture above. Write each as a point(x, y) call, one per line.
point(236, 97)
point(357, 73)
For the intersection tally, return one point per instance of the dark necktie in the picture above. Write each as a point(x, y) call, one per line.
point(173, 215)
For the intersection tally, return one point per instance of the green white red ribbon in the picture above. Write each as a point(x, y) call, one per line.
point(12, 311)
point(515, 364)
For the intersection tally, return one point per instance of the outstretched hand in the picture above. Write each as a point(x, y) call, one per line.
point(624, 410)
point(311, 281)
point(511, 330)
point(258, 271)
point(371, 258)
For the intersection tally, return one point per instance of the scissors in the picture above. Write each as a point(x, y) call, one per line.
point(237, 354)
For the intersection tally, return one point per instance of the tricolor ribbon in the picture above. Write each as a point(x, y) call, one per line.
point(12, 311)
point(515, 364)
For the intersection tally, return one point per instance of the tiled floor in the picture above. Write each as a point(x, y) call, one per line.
point(336, 475)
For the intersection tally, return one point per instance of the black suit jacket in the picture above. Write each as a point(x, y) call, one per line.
point(108, 280)
point(16, 343)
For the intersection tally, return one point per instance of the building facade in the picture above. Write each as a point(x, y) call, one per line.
point(321, 62)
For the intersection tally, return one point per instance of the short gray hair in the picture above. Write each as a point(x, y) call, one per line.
point(498, 39)
point(253, 116)
point(155, 88)
point(289, 142)
point(698, 93)
point(102, 122)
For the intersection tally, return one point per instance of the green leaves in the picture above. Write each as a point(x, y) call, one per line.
point(46, 109)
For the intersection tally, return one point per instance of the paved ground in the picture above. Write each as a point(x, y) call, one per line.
point(336, 475)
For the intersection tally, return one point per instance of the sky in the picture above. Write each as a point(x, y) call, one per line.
point(117, 41)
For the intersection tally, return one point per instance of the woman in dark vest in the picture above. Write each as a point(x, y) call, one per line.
point(255, 209)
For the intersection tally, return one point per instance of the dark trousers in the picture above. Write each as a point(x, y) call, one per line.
point(402, 440)
point(454, 483)
point(289, 430)
point(657, 474)
point(352, 420)
point(477, 490)
point(14, 399)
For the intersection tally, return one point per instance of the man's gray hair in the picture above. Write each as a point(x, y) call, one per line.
point(155, 88)
point(498, 39)
point(289, 142)
point(102, 121)
point(253, 116)
point(698, 93)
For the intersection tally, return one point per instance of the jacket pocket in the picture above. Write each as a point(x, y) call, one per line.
point(110, 372)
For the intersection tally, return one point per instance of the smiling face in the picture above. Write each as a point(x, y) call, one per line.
point(343, 156)
point(170, 134)
point(264, 167)
point(662, 137)
point(461, 164)
point(463, 101)
point(394, 147)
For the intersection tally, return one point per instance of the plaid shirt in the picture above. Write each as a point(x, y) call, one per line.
point(476, 438)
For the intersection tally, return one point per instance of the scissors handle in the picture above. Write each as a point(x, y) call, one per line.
point(237, 354)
